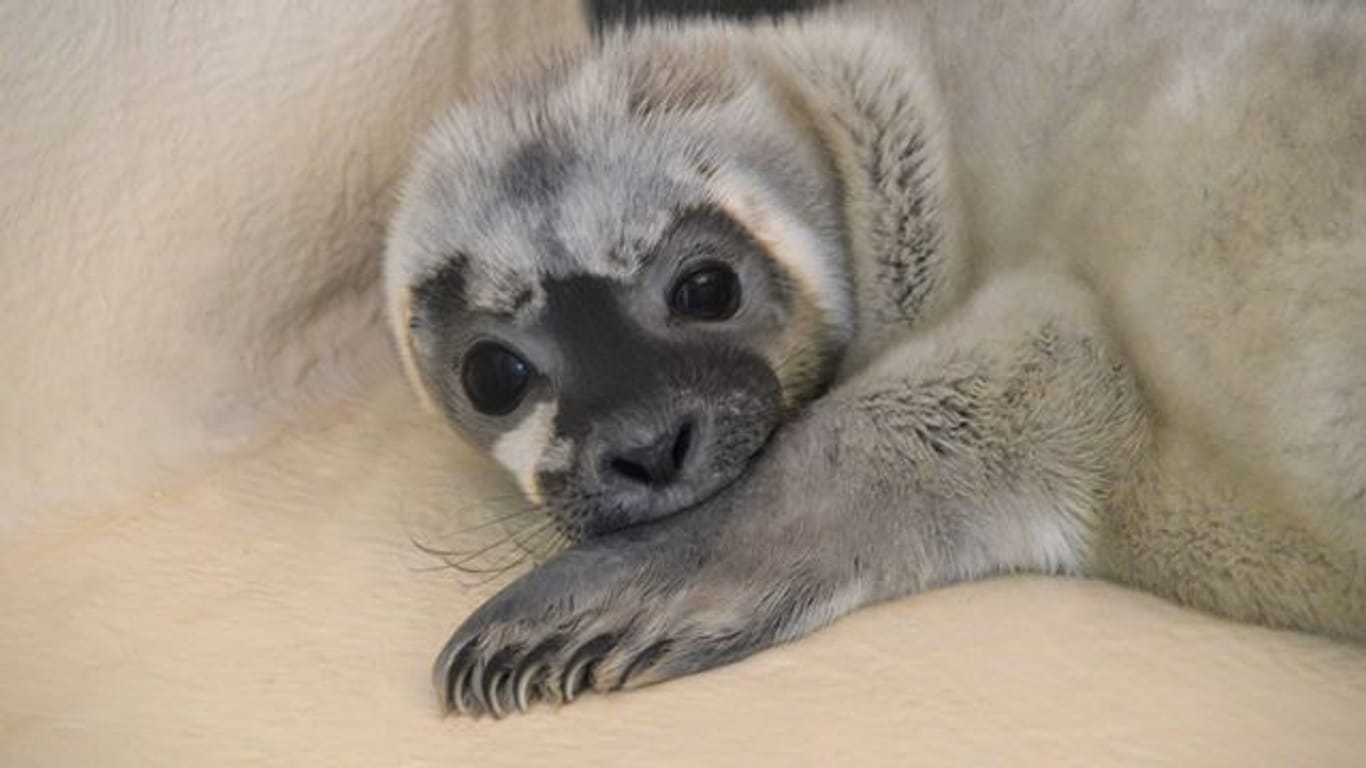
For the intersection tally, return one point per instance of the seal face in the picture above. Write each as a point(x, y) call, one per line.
point(617, 401)
point(591, 283)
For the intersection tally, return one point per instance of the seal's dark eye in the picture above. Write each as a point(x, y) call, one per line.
point(495, 378)
point(711, 292)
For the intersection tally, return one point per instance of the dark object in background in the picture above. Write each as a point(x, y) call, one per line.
point(608, 14)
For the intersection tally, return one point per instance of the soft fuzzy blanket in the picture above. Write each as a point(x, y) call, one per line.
point(213, 480)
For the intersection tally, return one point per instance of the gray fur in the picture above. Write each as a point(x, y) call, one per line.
point(1066, 287)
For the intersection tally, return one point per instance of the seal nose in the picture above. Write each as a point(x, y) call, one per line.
point(656, 462)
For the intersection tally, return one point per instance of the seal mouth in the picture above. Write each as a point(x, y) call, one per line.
point(588, 517)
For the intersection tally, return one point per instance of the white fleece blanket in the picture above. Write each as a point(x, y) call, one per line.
point(212, 476)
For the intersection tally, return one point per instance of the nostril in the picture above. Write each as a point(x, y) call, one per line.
point(631, 471)
point(658, 462)
point(681, 445)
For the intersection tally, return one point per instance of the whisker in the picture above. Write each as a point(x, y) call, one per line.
point(529, 540)
point(531, 510)
point(514, 539)
point(544, 544)
point(558, 543)
point(464, 559)
point(459, 556)
point(501, 498)
point(494, 571)
point(491, 576)
point(525, 544)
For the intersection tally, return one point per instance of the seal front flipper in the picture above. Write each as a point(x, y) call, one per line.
point(655, 602)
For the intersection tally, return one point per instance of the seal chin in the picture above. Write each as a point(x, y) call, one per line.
point(603, 521)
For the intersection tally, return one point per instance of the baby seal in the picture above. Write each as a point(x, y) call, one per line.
point(776, 321)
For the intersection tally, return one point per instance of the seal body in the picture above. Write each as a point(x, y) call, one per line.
point(780, 320)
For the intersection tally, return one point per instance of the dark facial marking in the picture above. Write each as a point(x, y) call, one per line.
point(536, 174)
point(611, 363)
point(522, 298)
point(609, 360)
point(442, 293)
point(659, 423)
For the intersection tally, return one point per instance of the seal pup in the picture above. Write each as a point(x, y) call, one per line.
point(777, 321)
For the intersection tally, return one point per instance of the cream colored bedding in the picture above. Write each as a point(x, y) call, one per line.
point(211, 475)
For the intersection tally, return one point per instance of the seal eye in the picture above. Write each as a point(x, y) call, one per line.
point(495, 378)
point(711, 292)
